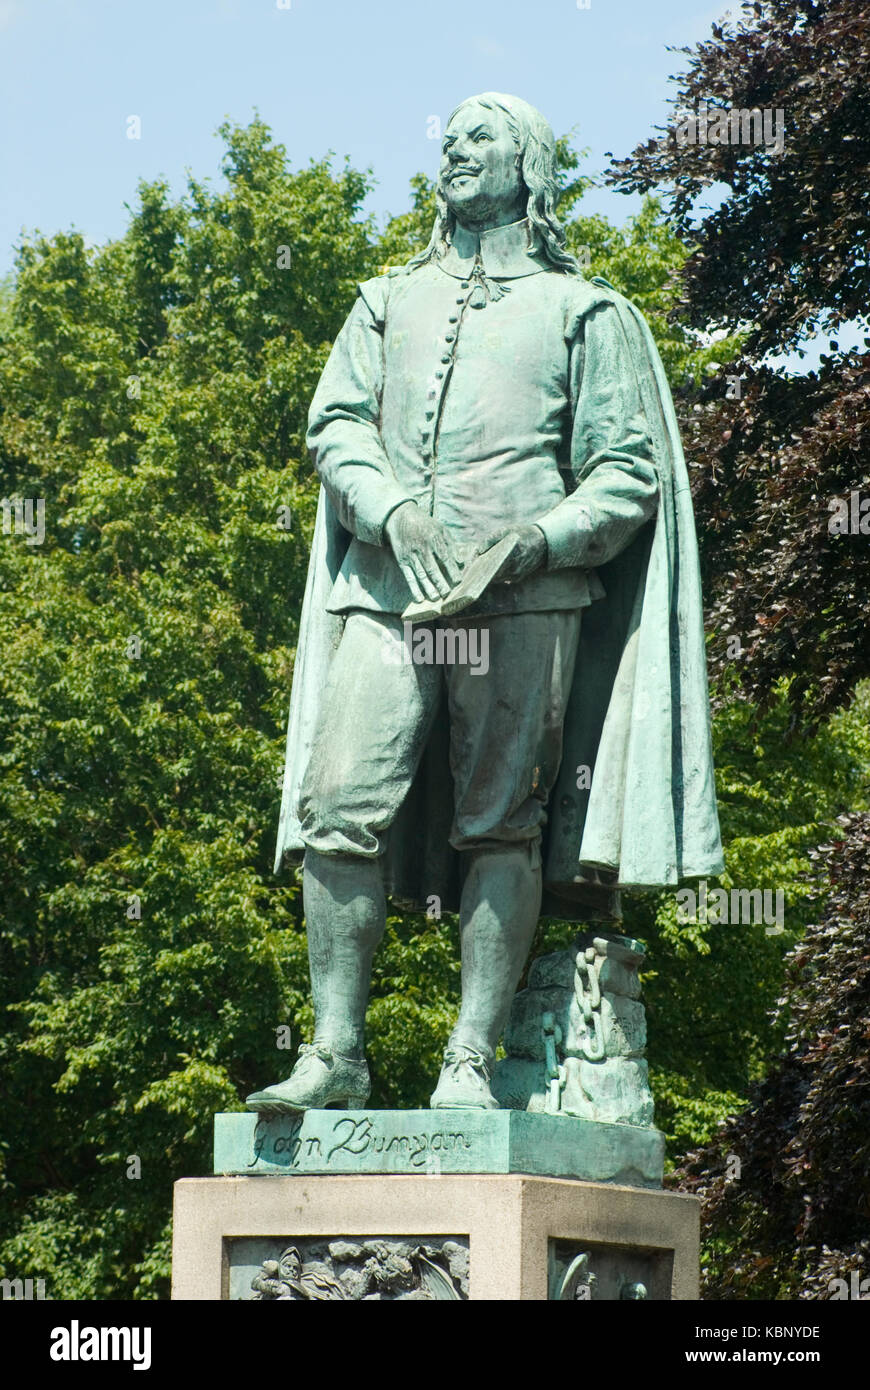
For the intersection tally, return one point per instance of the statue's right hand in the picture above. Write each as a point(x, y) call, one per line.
point(425, 551)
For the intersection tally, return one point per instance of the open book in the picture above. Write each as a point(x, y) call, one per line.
point(478, 575)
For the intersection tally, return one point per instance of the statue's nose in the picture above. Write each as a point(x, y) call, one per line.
point(459, 164)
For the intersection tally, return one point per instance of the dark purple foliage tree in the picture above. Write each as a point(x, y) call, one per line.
point(786, 1185)
point(783, 256)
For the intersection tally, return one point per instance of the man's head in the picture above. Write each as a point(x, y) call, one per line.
point(498, 164)
point(480, 166)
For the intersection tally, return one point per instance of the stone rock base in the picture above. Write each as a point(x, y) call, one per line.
point(576, 1036)
point(481, 1237)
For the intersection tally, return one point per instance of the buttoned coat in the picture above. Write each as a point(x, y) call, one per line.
point(592, 453)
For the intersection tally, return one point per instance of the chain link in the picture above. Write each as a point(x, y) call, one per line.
point(588, 995)
point(555, 1074)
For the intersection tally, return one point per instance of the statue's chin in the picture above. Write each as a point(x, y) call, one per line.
point(473, 206)
point(472, 209)
point(459, 205)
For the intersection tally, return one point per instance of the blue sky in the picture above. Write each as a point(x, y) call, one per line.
point(360, 77)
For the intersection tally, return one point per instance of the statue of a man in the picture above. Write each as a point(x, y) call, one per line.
point(487, 387)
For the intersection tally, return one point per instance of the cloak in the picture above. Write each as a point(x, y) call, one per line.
point(634, 804)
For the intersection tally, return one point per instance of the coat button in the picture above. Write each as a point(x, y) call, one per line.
point(465, 284)
point(454, 318)
point(439, 374)
point(461, 299)
point(446, 357)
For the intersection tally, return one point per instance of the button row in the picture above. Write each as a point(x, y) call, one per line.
point(439, 376)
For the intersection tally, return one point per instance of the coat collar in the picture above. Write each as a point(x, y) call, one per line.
point(503, 251)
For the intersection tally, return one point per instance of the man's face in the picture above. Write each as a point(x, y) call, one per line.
point(479, 171)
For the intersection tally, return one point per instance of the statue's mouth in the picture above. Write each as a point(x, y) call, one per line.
point(463, 174)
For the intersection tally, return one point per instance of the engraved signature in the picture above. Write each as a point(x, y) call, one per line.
point(353, 1137)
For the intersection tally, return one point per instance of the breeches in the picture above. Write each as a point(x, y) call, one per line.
point(506, 707)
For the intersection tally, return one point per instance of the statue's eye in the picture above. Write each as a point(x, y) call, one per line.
point(482, 135)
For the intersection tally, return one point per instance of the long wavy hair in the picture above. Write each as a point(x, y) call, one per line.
point(536, 148)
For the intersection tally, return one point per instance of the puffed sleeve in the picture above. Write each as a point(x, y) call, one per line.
point(611, 452)
point(344, 423)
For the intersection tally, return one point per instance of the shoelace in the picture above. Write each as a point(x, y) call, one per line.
point(326, 1054)
point(320, 1050)
point(454, 1057)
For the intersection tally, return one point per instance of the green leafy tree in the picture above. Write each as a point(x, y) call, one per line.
point(153, 392)
point(154, 396)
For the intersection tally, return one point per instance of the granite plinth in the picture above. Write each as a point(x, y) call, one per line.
point(438, 1142)
point(526, 1237)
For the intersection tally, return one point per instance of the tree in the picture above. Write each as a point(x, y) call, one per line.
point(154, 394)
point(792, 1219)
point(781, 257)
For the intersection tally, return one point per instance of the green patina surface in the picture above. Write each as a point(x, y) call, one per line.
point(436, 1142)
point(556, 748)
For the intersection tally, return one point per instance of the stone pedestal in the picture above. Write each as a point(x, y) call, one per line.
point(403, 1236)
point(444, 1204)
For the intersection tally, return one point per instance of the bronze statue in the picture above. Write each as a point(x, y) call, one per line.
point(487, 394)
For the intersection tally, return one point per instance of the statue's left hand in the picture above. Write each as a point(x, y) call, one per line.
point(529, 554)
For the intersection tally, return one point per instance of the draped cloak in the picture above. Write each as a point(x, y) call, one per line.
point(638, 716)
